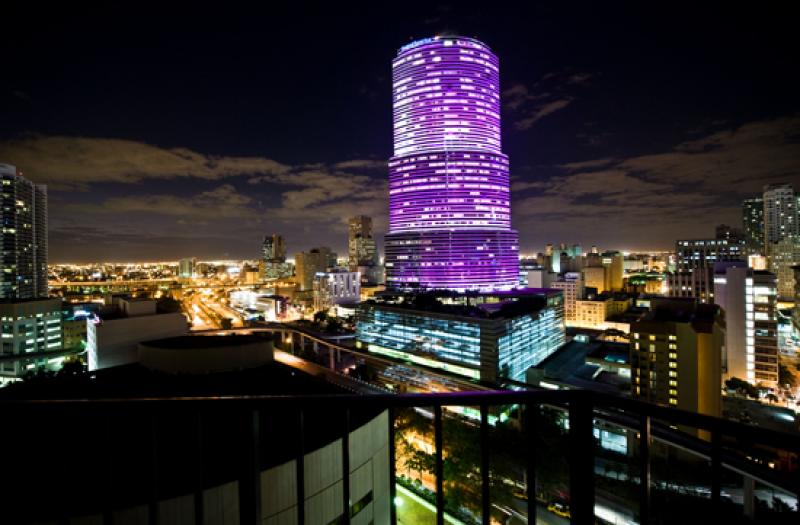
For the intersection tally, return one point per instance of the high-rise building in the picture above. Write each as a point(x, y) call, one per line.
point(449, 195)
point(24, 253)
point(186, 268)
point(782, 234)
point(676, 356)
point(361, 249)
point(753, 223)
point(694, 268)
point(572, 287)
point(729, 233)
point(614, 262)
point(748, 301)
point(273, 263)
point(273, 249)
point(308, 264)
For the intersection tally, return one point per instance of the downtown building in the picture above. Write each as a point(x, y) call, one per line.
point(452, 265)
point(273, 263)
point(449, 195)
point(748, 299)
point(361, 250)
point(694, 268)
point(31, 322)
point(782, 234)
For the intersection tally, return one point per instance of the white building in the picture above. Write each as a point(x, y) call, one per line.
point(782, 234)
point(748, 300)
point(572, 287)
point(29, 327)
point(337, 287)
point(112, 339)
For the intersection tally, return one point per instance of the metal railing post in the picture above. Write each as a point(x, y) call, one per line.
point(199, 510)
point(581, 474)
point(300, 470)
point(392, 467)
point(485, 482)
point(716, 469)
point(346, 467)
point(152, 507)
point(250, 482)
point(531, 424)
point(439, 468)
point(644, 469)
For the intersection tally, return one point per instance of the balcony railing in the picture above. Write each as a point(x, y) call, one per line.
point(713, 438)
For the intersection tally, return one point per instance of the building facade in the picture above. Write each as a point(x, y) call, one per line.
point(572, 288)
point(753, 223)
point(336, 287)
point(471, 342)
point(694, 267)
point(748, 301)
point(186, 268)
point(782, 234)
point(449, 194)
point(676, 358)
point(308, 264)
point(361, 249)
point(24, 234)
point(28, 327)
point(273, 263)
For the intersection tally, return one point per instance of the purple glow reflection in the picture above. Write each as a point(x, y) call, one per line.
point(449, 199)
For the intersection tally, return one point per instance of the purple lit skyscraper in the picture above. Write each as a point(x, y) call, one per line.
point(449, 198)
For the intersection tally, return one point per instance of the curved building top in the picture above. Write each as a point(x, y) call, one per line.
point(446, 95)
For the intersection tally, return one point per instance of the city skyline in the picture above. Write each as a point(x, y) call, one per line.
point(190, 142)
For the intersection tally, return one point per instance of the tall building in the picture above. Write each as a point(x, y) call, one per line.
point(186, 268)
point(24, 253)
point(614, 262)
point(729, 233)
point(676, 356)
point(748, 300)
point(361, 249)
point(694, 268)
point(273, 249)
point(449, 194)
point(753, 223)
point(572, 287)
point(308, 264)
point(782, 234)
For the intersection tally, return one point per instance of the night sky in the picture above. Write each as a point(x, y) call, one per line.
point(171, 133)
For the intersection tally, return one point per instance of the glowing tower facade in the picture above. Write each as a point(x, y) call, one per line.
point(449, 195)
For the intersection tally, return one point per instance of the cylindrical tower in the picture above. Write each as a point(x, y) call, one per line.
point(449, 199)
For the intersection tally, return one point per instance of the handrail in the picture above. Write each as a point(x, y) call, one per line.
point(759, 435)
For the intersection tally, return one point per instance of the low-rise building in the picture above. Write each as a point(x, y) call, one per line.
point(112, 336)
point(29, 326)
point(487, 337)
point(336, 287)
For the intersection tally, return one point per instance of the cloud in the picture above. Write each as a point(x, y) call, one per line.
point(546, 96)
point(66, 162)
point(657, 198)
point(223, 202)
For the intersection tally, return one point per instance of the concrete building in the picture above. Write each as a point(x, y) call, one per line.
point(540, 278)
point(112, 337)
point(694, 267)
point(594, 311)
point(748, 301)
point(614, 263)
point(571, 286)
point(753, 223)
point(486, 337)
point(29, 327)
point(309, 264)
point(676, 356)
point(335, 288)
point(24, 236)
point(361, 249)
point(595, 277)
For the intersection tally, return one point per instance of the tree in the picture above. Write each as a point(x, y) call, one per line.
point(226, 323)
point(167, 305)
point(333, 325)
point(786, 377)
point(320, 317)
point(741, 386)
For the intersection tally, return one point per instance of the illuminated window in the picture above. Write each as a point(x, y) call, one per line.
point(673, 373)
point(652, 338)
point(673, 401)
point(672, 382)
point(673, 355)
